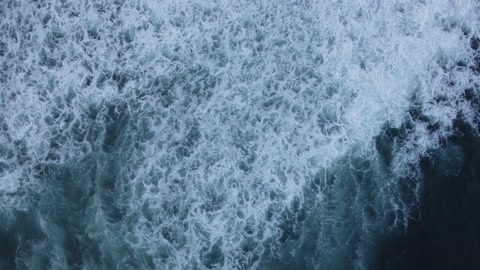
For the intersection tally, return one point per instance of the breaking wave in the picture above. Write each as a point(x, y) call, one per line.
point(225, 135)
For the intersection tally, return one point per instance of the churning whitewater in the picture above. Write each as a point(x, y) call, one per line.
point(212, 134)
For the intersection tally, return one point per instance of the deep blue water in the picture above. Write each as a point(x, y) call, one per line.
point(239, 135)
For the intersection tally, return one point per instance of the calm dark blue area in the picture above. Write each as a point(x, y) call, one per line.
point(447, 236)
point(446, 232)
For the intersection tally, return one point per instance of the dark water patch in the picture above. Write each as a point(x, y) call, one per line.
point(64, 213)
point(332, 231)
point(164, 90)
point(214, 258)
point(21, 151)
point(291, 221)
point(49, 59)
point(3, 49)
point(68, 224)
point(64, 228)
point(121, 78)
point(109, 192)
point(447, 235)
point(475, 45)
point(190, 141)
point(200, 82)
point(117, 117)
point(18, 238)
point(389, 140)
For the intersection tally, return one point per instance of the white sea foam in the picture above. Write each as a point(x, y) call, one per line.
point(223, 131)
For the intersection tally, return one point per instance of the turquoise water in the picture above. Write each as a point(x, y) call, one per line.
point(239, 135)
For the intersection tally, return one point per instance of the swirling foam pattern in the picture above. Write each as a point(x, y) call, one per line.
point(248, 134)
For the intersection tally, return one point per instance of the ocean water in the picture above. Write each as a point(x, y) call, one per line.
point(249, 134)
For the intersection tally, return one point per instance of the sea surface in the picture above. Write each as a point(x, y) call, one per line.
point(247, 134)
